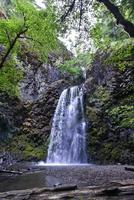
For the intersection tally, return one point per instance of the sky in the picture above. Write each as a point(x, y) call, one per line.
point(69, 40)
point(39, 3)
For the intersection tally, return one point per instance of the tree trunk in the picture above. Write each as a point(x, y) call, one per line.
point(128, 26)
point(63, 17)
point(11, 47)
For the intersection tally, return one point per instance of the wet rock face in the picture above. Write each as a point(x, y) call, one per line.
point(102, 74)
point(25, 123)
point(109, 110)
point(37, 77)
point(6, 159)
point(37, 80)
point(40, 90)
point(12, 113)
point(37, 125)
point(39, 120)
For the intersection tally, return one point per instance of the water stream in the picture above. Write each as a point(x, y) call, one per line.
point(67, 140)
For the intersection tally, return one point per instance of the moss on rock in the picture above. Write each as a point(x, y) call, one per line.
point(27, 149)
point(110, 115)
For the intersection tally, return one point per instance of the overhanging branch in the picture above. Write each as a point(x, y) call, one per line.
point(12, 46)
point(128, 26)
point(71, 7)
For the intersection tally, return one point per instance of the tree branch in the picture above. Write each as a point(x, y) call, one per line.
point(128, 26)
point(8, 36)
point(23, 30)
point(71, 7)
point(12, 46)
point(81, 13)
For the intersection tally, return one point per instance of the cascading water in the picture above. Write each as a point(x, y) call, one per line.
point(67, 140)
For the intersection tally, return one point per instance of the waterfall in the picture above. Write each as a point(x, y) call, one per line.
point(67, 139)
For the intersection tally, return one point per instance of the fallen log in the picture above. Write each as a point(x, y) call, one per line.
point(10, 172)
point(111, 191)
point(127, 190)
point(115, 191)
point(64, 188)
point(127, 182)
point(129, 169)
point(120, 193)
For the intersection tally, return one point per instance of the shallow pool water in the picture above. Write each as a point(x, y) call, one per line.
point(37, 175)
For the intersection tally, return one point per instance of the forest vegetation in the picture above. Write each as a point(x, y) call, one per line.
point(24, 26)
point(104, 37)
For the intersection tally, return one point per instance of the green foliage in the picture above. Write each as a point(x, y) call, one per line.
point(25, 24)
point(121, 54)
point(41, 24)
point(118, 51)
point(77, 64)
point(9, 78)
point(27, 148)
point(67, 67)
point(100, 97)
point(123, 116)
point(127, 7)
point(30, 152)
point(105, 31)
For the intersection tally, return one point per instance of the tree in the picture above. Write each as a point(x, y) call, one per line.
point(24, 26)
point(128, 26)
point(38, 28)
point(80, 5)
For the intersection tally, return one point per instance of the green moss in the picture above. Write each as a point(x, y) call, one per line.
point(122, 116)
point(128, 99)
point(130, 144)
point(28, 149)
point(91, 113)
point(111, 112)
point(102, 94)
point(121, 54)
point(116, 153)
point(100, 111)
point(99, 98)
point(105, 151)
point(30, 152)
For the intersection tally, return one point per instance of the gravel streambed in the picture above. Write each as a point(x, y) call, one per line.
point(81, 175)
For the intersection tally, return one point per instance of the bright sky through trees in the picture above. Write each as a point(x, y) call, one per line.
point(71, 37)
point(40, 3)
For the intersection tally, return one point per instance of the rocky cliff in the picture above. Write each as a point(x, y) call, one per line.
point(38, 76)
point(110, 112)
point(26, 121)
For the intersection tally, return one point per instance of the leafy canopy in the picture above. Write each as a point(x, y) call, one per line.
point(28, 26)
point(41, 27)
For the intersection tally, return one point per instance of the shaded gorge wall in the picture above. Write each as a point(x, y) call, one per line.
point(110, 113)
point(28, 118)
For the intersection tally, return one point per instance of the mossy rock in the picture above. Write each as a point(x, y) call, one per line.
point(122, 115)
point(30, 152)
point(116, 153)
point(100, 97)
point(28, 149)
point(91, 113)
